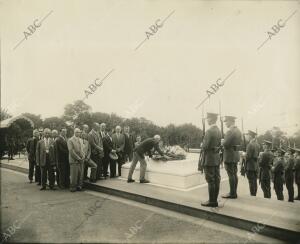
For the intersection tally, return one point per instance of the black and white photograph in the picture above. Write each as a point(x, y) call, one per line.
point(150, 121)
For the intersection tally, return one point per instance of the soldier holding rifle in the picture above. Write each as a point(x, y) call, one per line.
point(231, 143)
point(210, 160)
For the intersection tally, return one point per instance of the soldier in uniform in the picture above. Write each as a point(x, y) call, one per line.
point(265, 165)
point(252, 152)
point(211, 146)
point(278, 170)
point(297, 171)
point(231, 144)
point(289, 173)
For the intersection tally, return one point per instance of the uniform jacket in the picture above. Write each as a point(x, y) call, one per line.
point(289, 167)
point(129, 143)
point(266, 160)
point(278, 169)
point(62, 152)
point(252, 153)
point(211, 145)
point(297, 170)
point(146, 146)
point(96, 143)
point(119, 143)
point(232, 142)
point(75, 150)
point(40, 155)
point(31, 148)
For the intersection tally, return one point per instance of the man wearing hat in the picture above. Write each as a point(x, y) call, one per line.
point(231, 144)
point(265, 165)
point(211, 146)
point(252, 152)
point(297, 171)
point(289, 173)
point(278, 170)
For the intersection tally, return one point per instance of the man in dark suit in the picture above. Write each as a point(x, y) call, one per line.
point(231, 144)
point(97, 152)
point(31, 150)
point(108, 147)
point(62, 156)
point(129, 144)
point(211, 146)
point(45, 159)
point(139, 156)
point(119, 145)
point(252, 152)
point(54, 135)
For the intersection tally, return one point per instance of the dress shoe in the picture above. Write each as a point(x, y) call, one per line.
point(297, 198)
point(144, 181)
point(92, 181)
point(39, 184)
point(229, 196)
point(130, 180)
point(73, 190)
point(43, 188)
point(30, 181)
point(209, 204)
point(52, 188)
point(79, 189)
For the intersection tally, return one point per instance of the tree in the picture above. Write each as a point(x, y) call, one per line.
point(4, 114)
point(73, 111)
point(36, 119)
point(54, 123)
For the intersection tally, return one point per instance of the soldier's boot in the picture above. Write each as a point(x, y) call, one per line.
point(291, 194)
point(232, 193)
point(211, 192)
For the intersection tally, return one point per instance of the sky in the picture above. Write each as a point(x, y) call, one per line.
point(168, 75)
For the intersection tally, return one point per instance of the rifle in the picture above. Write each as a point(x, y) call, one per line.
point(222, 136)
point(202, 156)
point(243, 166)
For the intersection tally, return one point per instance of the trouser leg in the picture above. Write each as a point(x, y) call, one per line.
point(112, 168)
point(210, 179)
point(143, 168)
point(132, 166)
point(230, 172)
point(217, 182)
point(37, 174)
point(80, 174)
point(90, 163)
point(31, 169)
point(290, 188)
point(67, 174)
point(73, 176)
point(44, 175)
point(105, 166)
point(61, 172)
point(50, 172)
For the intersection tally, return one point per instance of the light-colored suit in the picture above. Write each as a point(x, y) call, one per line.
point(41, 153)
point(46, 160)
point(76, 163)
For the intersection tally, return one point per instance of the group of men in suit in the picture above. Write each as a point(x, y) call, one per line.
point(55, 157)
point(258, 165)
